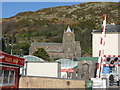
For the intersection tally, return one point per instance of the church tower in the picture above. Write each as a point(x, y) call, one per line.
point(69, 44)
point(68, 37)
point(68, 48)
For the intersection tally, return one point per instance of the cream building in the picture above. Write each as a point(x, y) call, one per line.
point(112, 46)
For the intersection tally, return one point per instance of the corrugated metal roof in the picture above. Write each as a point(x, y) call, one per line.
point(87, 58)
point(32, 58)
point(67, 63)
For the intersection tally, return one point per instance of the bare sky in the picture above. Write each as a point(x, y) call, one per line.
point(60, 0)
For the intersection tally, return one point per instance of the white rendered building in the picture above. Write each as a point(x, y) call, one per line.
point(35, 66)
point(112, 45)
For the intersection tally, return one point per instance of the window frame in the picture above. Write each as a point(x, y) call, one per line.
point(10, 69)
point(8, 79)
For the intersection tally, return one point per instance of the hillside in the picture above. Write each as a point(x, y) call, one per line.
point(47, 25)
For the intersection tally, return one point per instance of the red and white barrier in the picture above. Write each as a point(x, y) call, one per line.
point(111, 56)
point(118, 65)
point(102, 50)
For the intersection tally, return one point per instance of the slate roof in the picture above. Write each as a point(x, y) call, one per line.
point(46, 44)
point(109, 28)
point(55, 51)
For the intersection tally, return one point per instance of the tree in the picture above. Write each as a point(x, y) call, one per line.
point(41, 53)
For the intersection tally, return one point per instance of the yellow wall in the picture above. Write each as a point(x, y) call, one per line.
point(38, 82)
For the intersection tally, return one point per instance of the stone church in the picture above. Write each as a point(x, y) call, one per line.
point(68, 48)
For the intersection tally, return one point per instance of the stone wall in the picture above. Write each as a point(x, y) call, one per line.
point(39, 82)
point(68, 48)
point(86, 69)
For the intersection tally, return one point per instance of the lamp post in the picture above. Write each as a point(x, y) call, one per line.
point(21, 52)
point(11, 51)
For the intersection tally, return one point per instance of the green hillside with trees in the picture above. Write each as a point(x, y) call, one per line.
point(48, 25)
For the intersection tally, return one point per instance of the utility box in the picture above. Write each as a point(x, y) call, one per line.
point(88, 84)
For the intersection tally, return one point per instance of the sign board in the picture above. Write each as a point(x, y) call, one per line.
point(106, 69)
point(103, 75)
point(64, 70)
point(70, 70)
point(98, 83)
point(9, 59)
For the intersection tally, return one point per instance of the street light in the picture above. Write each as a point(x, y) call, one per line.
point(21, 52)
point(11, 51)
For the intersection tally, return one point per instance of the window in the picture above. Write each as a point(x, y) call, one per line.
point(11, 77)
point(6, 74)
point(7, 77)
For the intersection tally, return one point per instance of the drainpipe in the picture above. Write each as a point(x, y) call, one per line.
point(26, 68)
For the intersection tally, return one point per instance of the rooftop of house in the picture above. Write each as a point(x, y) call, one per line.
point(110, 28)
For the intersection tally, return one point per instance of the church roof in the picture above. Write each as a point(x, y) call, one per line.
point(46, 44)
point(55, 51)
point(68, 29)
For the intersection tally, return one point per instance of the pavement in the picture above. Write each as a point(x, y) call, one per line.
point(113, 88)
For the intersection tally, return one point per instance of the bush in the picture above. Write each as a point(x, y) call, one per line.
point(41, 53)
